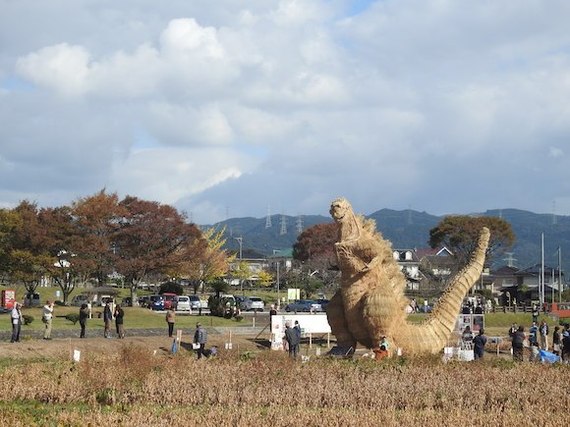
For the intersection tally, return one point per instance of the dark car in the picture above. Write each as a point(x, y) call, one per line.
point(303, 305)
point(156, 302)
point(144, 301)
point(323, 302)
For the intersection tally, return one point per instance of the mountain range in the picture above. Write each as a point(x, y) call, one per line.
point(407, 229)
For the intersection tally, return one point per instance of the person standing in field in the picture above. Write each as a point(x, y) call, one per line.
point(535, 313)
point(83, 316)
point(119, 321)
point(518, 344)
point(170, 320)
point(566, 343)
point(292, 338)
point(543, 335)
point(556, 341)
point(47, 316)
point(16, 317)
point(200, 338)
point(479, 343)
point(513, 330)
point(107, 319)
point(533, 334)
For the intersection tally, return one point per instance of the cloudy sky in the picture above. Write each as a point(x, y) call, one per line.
point(233, 108)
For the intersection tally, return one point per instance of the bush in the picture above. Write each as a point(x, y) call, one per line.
point(239, 318)
point(28, 319)
point(72, 317)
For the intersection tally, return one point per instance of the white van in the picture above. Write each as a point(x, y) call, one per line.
point(183, 303)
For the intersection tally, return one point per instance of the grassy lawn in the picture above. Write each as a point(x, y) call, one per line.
point(135, 318)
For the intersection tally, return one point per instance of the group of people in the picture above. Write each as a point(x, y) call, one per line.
point(200, 335)
point(17, 320)
point(538, 339)
point(292, 338)
point(475, 342)
point(110, 313)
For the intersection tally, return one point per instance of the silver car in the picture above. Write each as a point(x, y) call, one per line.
point(252, 304)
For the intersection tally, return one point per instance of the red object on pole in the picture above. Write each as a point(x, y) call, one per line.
point(8, 298)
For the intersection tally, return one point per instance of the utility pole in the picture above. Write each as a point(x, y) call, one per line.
point(559, 274)
point(278, 298)
point(541, 288)
point(239, 240)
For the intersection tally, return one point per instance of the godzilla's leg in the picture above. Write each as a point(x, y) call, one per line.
point(337, 322)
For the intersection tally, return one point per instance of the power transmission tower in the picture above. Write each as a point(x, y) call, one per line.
point(299, 224)
point(509, 259)
point(283, 225)
point(268, 218)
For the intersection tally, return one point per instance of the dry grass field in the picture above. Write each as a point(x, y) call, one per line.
point(136, 382)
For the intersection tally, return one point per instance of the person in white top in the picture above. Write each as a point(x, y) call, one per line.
point(16, 322)
point(47, 316)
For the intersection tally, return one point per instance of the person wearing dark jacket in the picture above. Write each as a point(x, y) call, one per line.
point(292, 337)
point(518, 344)
point(479, 344)
point(83, 316)
point(107, 319)
point(119, 320)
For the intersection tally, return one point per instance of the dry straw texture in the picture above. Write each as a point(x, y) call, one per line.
point(136, 388)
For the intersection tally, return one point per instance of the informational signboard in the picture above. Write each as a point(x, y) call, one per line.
point(311, 324)
point(293, 294)
point(475, 321)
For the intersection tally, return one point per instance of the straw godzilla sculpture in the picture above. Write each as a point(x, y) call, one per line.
point(371, 302)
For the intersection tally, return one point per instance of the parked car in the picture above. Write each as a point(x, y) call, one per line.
point(156, 302)
point(323, 302)
point(195, 303)
point(184, 303)
point(252, 304)
point(144, 301)
point(79, 300)
point(169, 300)
point(127, 302)
point(105, 299)
point(304, 305)
point(32, 300)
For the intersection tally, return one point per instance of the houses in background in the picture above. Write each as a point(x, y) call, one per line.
point(427, 272)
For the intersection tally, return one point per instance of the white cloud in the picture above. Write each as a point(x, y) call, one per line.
point(408, 103)
point(62, 67)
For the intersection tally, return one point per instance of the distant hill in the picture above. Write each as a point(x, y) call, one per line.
point(408, 229)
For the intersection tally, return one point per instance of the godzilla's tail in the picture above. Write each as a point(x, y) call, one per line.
point(433, 335)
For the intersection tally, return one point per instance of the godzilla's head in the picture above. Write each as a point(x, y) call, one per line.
point(340, 209)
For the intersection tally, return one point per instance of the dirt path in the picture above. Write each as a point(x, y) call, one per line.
point(63, 347)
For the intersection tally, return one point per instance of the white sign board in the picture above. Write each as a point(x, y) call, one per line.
point(309, 323)
point(293, 294)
